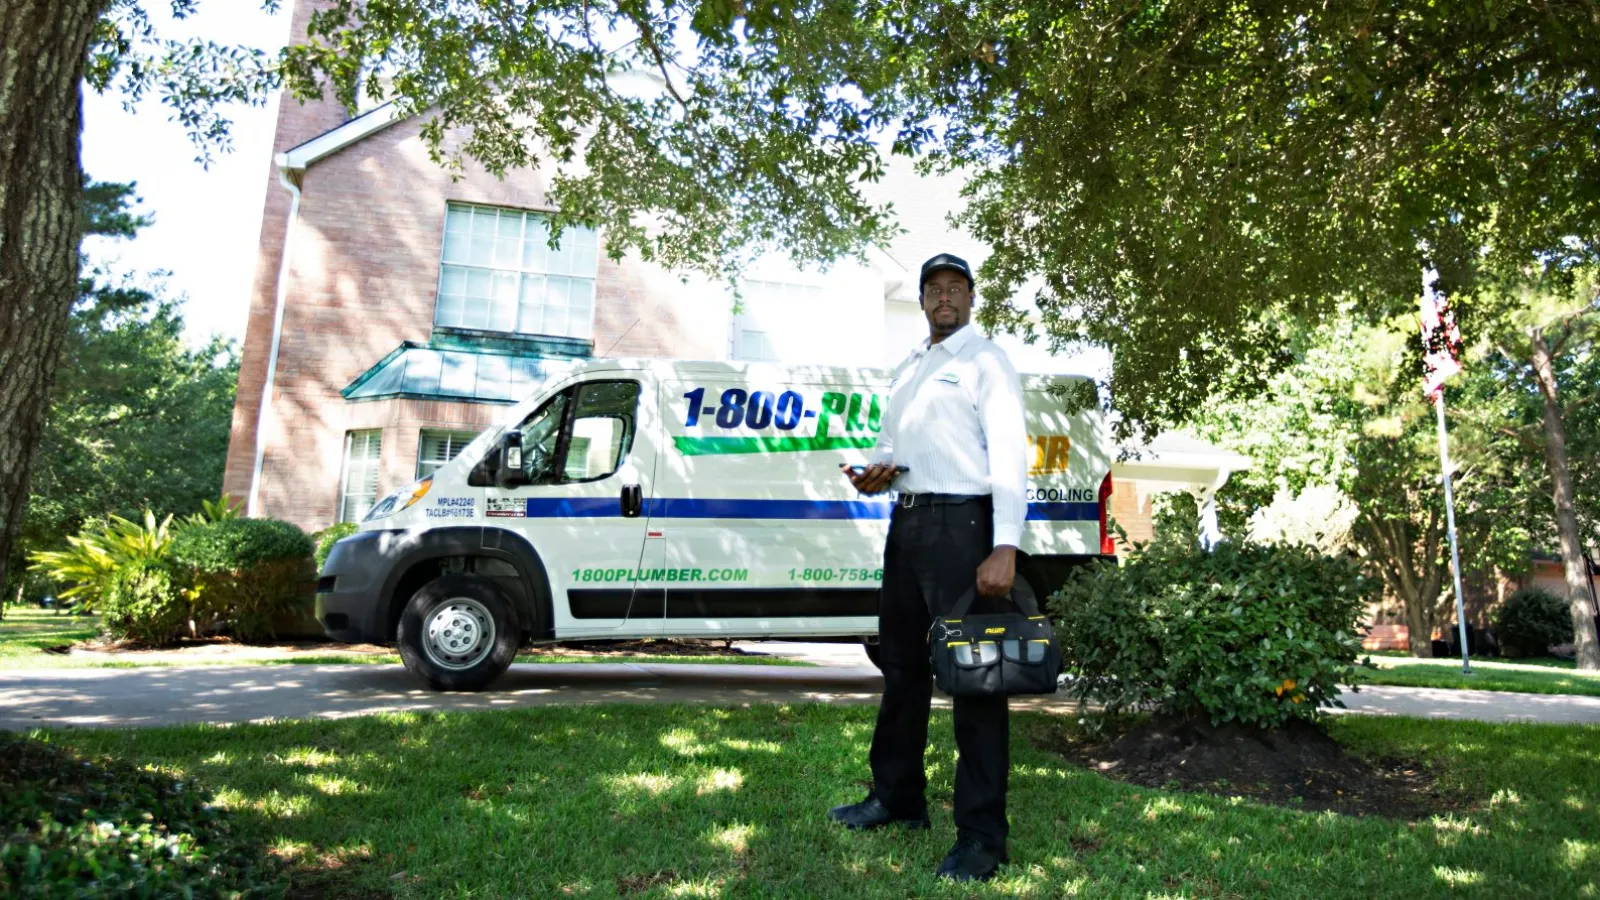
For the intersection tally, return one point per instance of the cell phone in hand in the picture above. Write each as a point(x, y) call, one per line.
point(898, 470)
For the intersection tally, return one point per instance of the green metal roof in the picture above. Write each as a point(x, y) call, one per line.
point(475, 376)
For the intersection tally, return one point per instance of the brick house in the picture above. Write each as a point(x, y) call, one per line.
point(395, 312)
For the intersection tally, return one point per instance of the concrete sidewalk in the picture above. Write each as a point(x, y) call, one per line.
point(55, 698)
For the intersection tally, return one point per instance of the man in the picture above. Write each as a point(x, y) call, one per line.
point(955, 423)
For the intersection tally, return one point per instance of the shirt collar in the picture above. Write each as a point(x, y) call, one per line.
point(954, 344)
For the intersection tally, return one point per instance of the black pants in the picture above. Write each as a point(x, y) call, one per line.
point(931, 559)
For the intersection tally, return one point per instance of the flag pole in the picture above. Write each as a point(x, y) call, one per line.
point(1450, 522)
point(1440, 342)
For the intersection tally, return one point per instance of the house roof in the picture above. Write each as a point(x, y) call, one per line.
point(1176, 457)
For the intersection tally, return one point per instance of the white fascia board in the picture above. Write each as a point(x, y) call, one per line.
point(1152, 463)
point(328, 143)
point(896, 277)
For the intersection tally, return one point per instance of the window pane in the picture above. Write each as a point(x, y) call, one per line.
point(453, 281)
point(435, 448)
point(459, 374)
point(532, 306)
point(360, 489)
point(602, 429)
point(541, 434)
point(422, 371)
point(585, 260)
point(535, 255)
point(580, 302)
point(504, 314)
point(494, 378)
point(455, 246)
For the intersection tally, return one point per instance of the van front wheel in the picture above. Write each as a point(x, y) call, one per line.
point(458, 633)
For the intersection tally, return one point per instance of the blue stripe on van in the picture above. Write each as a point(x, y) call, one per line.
point(683, 508)
point(686, 508)
point(1064, 512)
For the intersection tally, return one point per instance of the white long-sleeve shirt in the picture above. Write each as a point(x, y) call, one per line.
point(955, 421)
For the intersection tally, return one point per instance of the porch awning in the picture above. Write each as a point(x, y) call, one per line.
point(418, 371)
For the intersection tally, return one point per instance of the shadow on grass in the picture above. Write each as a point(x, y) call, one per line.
point(665, 801)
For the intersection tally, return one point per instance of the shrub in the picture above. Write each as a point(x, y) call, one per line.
point(1248, 633)
point(77, 827)
point(145, 602)
point(1530, 621)
point(246, 572)
point(333, 535)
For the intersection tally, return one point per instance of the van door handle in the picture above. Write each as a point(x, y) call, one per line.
point(632, 501)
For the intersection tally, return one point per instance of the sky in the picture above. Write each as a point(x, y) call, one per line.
point(207, 220)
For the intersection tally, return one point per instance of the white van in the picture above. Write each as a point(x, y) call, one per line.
point(658, 498)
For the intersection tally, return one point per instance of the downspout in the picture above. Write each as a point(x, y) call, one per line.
point(287, 178)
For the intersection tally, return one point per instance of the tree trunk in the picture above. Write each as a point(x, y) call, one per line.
point(1572, 561)
point(1392, 545)
point(43, 45)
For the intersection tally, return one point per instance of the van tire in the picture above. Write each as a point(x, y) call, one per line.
point(458, 633)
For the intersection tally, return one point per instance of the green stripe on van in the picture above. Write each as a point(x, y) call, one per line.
point(722, 446)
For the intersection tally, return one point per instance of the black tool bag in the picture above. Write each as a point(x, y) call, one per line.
point(995, 654)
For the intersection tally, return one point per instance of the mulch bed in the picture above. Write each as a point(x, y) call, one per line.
point(1298, 766)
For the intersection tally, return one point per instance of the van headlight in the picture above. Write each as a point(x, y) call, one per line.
point(400, 500)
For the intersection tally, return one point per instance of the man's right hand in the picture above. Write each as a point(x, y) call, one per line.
point(875, 479)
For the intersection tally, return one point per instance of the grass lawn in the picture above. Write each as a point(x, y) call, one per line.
point(26, 631)
point(659, 802)
point(1487, 676)
point(1543, 662)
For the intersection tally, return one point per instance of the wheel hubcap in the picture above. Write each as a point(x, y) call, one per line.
point(458, 634)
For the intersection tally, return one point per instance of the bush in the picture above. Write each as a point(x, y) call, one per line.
point(246, 572)
point(86, 828)
point(1530, 621)
point(1247, 633)
point(333, 535)
point(145, 602)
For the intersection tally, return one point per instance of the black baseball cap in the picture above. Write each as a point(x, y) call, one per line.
point(945, 262)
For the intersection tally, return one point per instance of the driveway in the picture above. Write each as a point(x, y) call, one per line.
point(54, 698)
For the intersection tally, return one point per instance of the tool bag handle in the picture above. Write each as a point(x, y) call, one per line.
point(1021, 597)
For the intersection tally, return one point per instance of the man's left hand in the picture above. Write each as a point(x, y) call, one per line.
point(996, 573)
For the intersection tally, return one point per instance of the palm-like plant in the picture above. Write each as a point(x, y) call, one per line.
point(219, 510)
point(95, 556)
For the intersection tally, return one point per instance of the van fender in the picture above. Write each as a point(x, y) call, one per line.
point(475, 545)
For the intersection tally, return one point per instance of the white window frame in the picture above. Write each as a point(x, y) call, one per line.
point(508, 289)
point(455, 441)
point(369, 468)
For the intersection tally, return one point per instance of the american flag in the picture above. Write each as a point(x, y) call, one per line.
point(1441, 339)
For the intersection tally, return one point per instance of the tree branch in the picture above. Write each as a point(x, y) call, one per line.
point(647, 34)
point(1527, 443)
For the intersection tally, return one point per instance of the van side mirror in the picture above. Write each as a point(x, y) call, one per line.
point(509, 456)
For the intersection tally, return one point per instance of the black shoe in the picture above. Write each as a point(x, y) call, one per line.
point(871, 813)
point(970, 860)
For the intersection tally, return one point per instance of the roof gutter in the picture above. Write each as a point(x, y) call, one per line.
point(289, 178)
